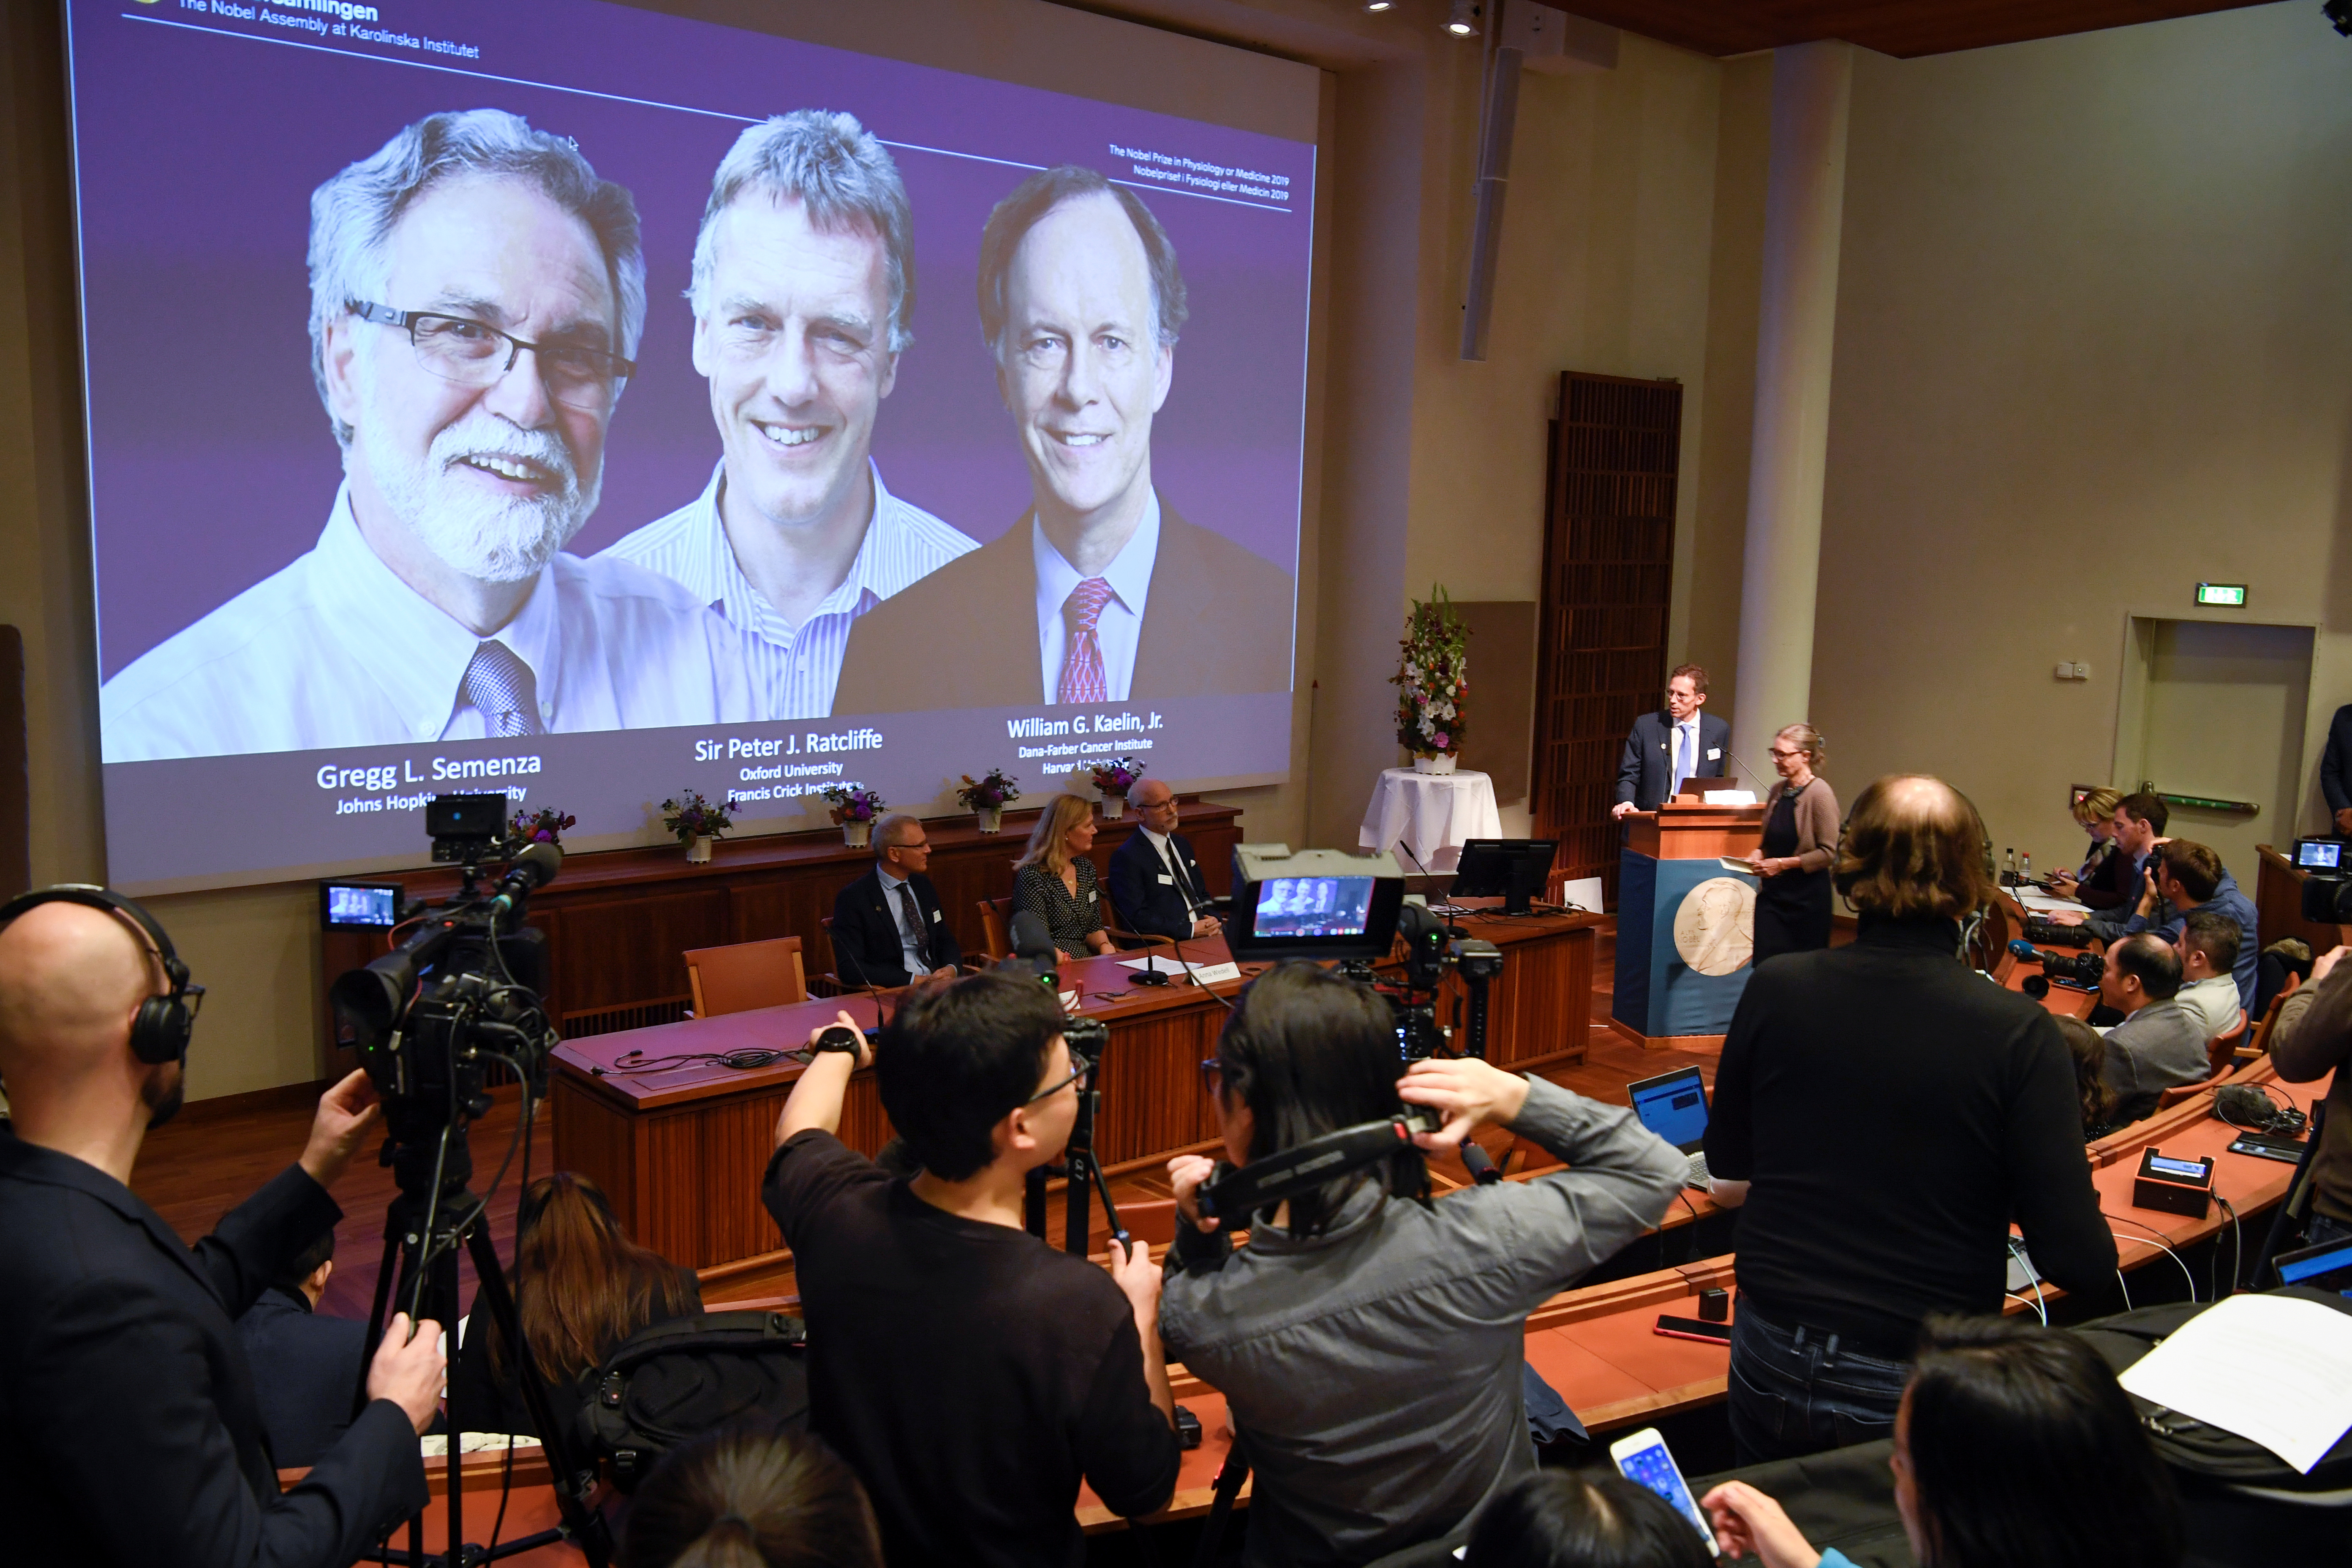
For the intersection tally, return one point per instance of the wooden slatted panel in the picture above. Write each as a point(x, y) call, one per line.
point(1608, 583)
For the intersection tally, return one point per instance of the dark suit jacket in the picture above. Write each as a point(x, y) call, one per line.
point(313, 1364)
point(1644, 772)
point(129, 1430)
point(2335, 763)
point(1218, 621)
point(866, 947)
point(1142, 891)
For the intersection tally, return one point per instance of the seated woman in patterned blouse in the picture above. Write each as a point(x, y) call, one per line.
point(1055, 880)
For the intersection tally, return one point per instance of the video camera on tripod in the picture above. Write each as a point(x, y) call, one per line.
point(1329, 904)
point(429, 1020)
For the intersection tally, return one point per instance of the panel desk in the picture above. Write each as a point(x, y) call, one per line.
point(618, 921)
point(680, 1150)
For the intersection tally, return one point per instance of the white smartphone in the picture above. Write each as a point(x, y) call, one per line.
point(1642, 1458)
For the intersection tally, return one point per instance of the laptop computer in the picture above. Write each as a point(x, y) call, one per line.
point(1673, 1106)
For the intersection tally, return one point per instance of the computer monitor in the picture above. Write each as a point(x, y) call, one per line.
point(1512, 870)
point(1673, 1106)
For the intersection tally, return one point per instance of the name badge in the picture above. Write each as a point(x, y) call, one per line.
point(1166, 881)
point(935, 916)
point(1714, 753)
point(1090, 896)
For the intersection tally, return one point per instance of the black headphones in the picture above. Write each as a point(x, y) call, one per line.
point(160, 1033)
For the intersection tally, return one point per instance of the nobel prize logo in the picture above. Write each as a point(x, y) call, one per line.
point(1714, 929)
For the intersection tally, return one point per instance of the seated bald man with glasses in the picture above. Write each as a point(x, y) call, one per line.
point(970, 1373)
point(1155, 881)
point(476, 294)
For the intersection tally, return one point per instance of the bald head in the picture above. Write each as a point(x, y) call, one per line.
point(1151, 793)
point(1913, 849)
point(72, 979)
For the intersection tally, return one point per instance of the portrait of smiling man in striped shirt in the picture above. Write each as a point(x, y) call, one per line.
point(804, 285)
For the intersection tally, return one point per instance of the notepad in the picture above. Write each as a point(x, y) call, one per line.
point(1201, 975)
point(1733, 863)
point(2273, 1369)
point(2045, 903)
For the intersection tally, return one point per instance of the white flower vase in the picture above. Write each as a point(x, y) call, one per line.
point(856, 834)
point(992, 818)
point(1114, 807)
point(1443, 762)
point(697, 849)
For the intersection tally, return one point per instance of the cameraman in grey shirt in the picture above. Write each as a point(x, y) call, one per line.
point(1369, 1342)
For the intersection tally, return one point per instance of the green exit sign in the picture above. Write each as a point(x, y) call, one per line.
point(2233, 593)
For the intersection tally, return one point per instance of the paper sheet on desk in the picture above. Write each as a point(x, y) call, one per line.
point(2272, 1369)
point(2044, 903)
point(1201, 974)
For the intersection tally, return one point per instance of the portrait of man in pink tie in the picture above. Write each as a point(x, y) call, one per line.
point(477, 293)
point(1101, 592)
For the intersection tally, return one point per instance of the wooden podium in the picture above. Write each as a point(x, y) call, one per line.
point(1685, 922)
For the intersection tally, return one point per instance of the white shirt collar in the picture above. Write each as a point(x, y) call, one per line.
point(890, 884)
point(1128, 574)
point(418, 651)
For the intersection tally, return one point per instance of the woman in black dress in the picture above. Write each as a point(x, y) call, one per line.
point(1056, 879)
point(2104, 879)
point(1800, 834)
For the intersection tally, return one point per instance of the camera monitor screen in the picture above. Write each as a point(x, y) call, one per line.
point(362, 905)
point(385, 506)
point(2194, 1170)
point(2319, 854)
point(1312, 906)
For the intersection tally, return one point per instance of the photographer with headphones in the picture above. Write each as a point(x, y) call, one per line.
point(1369, 1343)
point(129, 1428)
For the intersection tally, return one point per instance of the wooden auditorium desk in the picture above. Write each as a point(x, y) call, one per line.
point(680, 1150)
point(2278, 904)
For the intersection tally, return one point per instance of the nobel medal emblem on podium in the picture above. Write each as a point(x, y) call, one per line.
point(1685, 921)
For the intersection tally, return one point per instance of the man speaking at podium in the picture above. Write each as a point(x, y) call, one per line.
point(1667, 750)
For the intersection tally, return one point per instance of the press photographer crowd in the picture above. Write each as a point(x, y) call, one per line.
point(1924, 1359)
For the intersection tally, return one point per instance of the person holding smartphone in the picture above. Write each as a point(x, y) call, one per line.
point(1369, 1343)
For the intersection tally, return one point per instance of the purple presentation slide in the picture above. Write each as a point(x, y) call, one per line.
point(561, 398)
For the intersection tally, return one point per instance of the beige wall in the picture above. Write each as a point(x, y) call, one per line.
point(2094, 344)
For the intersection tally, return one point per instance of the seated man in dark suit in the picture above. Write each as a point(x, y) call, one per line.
point(313, 1358)
point(1101, 591)
point(130, 1427)
point(1155, 882)
point(887, 926)
point(1667, 748)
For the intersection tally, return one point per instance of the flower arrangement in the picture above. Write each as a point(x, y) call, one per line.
point(853, 805)
point(696, 817)
point(995, 791)
point(1433, 678)
point(544, 825)
point(1116, 777)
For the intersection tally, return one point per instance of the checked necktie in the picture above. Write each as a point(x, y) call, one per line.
point(1082, 659)
point(501, 687)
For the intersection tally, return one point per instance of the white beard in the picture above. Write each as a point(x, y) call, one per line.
point(473, 532)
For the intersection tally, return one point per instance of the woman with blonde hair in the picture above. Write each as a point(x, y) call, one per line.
point(1801, 837)
point(2102, 883)
point(1055, 877)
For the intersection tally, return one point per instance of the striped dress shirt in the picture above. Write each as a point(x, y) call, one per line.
point(794, 669)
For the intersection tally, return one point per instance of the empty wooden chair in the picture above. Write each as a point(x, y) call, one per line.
point(996, 927)
point(746, 974)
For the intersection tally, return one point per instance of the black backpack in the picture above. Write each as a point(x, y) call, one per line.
point(2187, 1444)
point(681, 1378)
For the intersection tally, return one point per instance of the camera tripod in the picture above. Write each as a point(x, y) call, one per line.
point(1083, 1173)
point(425, 1223)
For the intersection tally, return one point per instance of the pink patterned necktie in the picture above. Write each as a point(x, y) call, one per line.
point(1082, 660)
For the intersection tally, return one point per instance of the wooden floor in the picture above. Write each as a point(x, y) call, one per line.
point(203, 1164)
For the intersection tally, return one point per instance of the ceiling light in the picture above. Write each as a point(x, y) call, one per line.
point(1376, 7)
point(1462, 19)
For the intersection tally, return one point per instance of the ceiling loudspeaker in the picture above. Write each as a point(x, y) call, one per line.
point(1535, 37)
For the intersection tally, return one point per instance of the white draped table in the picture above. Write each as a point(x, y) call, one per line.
point(1433, 815)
